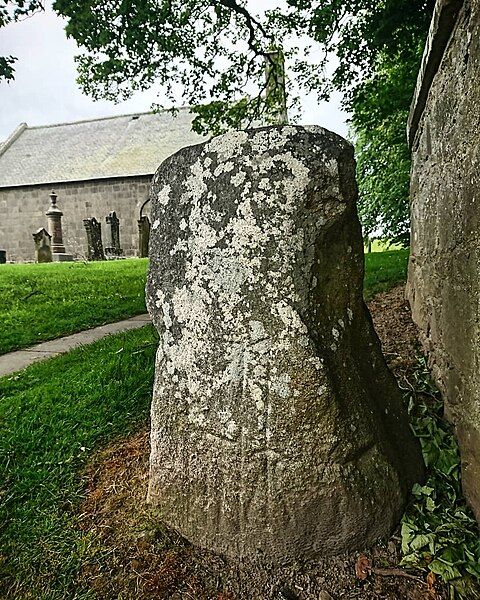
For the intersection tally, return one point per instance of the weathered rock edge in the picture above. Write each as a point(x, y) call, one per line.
point(277, 429)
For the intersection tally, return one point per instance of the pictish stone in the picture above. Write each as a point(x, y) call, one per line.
point(277, 429)
point(43, 250)
point(113, 250)
point(94, 239)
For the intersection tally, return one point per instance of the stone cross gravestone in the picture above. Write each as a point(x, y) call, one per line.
point(113, 250)
point(94, 239)
point(43, 249)
point(277, 428)
point(143, 236)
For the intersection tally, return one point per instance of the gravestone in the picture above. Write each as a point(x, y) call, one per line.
point(43, 249)
point(3, 257)
point(113, 250)
point(277, 428)
point(143, 236)
point(94, 239)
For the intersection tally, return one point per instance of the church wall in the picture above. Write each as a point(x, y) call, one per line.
point(22, 212)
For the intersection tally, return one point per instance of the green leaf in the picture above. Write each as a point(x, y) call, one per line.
point(419, 541)
point(438, 523)
point(422, 490)
point(473, 568)
point(446, 571)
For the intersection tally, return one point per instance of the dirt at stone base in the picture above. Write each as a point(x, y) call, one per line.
point(135, 557)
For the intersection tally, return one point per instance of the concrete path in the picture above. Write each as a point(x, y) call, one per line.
point(16, 361)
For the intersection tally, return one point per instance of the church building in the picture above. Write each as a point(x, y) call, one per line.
point(95, 167)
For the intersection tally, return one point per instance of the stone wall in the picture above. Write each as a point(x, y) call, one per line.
point(444, 271)
point(22, 211)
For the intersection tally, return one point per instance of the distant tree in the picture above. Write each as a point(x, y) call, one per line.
point(380, 106)
point(9, 13)
point(209, 51)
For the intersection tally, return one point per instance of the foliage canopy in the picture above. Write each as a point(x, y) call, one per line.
point(212, 54)
point(10, 12)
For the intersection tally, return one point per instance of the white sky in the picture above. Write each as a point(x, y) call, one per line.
point(45, 91)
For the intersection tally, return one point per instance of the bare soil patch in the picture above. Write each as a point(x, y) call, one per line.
point(396, 330)
point(140, 558)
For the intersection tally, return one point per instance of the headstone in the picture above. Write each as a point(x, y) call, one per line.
point(3, 257)
point(277, 428)
point(43, 250)
point(54, 216)
point(113, 250)
point(94, 239)
point(143, 236)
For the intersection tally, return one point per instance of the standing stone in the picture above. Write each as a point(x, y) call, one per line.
point(54, 216)
point(143, 236)
point(43, 250)
point(113, 250)
point(94, 239)
point(277, 428)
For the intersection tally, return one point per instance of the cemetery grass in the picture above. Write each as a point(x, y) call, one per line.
point(52, 416)
point(383, 270)
point(45, 301)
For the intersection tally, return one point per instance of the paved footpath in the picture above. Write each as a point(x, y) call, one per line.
point(16, 361)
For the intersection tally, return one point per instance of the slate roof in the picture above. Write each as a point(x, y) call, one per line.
point(97, 149)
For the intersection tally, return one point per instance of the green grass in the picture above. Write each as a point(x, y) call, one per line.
point(52, 416)
point(382, 246)
point(45, 301)
point(55, 414)
point(383, 270)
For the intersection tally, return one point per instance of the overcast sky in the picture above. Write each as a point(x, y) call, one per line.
point(45, 91)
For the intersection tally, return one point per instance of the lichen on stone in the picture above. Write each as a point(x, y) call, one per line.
point(265, 364)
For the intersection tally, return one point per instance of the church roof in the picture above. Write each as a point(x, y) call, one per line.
point(120, 146)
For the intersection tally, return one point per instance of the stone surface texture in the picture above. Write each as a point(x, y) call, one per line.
point(43, 249)
point(277, 429)
point(113, 227)
point(443, 21)
point(93, 229)
point(444, 271)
